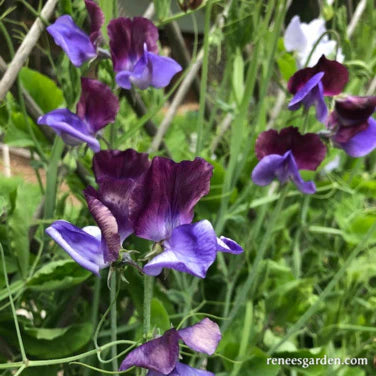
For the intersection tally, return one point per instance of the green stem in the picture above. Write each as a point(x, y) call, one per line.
point(148, 294)
point(113, 294)
point(20, 342)
point(204, 78)
point(43, 363)
point(248, 286)
point(328, 289)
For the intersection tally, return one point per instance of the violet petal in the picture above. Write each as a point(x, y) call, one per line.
point(202, 337)
point(160, 354)
point(307, 187)
point(107, 223)
point(228, 245)
point(166, 195)
point(362, 143)
point(190, 249)
point(70, 128)
point(74, 42)
point(185, 370)
point(97, 106)
point(83, 245)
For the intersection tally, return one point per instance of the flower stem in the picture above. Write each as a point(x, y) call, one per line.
point(20, 342)
point(115, 366)
point(148, 294)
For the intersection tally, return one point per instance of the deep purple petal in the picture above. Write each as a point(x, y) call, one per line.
point(120, 164)
point(120, 34)
point(96, 20)
point(107, 223)
point(363, 143)
point(334, 79)
point(185, 370)
point(281, 167)
point(190, 249)
point(144, 32)
point(228, 245)
point(74, 42)
point(166, 195)
point(345, 134)
point(354, 110)
point(160, 354)
point(70, 128)
point(202, 337)
point(81, 245)
point(97, 106)
point(115, 194)
point(308, 149)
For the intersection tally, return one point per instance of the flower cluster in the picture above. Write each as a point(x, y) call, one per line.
point(349, 127)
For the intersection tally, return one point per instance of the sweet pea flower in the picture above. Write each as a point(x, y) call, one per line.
point(301, 37)
point(97, 107)
point(161, 210)
point(282, 154)
point(134, 51)
point(160, 356)
point(78, 46)
point(310, 85)
point(354, 128)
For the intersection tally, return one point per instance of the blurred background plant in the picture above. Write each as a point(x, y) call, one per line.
point(277, 298)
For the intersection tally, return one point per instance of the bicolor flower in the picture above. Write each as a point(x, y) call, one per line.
point(310, 85)
point(161, 355)
point(97, 107)
point(282, 154)
point(134, 51)
point(354, 128)
point(301, 38)
point(161, 210)
point(83, 245)
point(79, 46)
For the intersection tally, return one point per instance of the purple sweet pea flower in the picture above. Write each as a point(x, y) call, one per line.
point(134, 51)
point(96, 108)
point(283, 154)
point(310, 85)
point(160, 355)
point(78, 46)
point(351, 116)
point(83, 245)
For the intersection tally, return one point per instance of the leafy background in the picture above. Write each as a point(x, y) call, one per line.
point(305, 240)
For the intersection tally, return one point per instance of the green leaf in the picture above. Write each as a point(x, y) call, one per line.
point(159, 315)
point(238, 77)
point(45, 333)
point(27, 200)
point(59, 342)
point(18, 134)
point(287, 65)
point(42, 89)
point(56, 275)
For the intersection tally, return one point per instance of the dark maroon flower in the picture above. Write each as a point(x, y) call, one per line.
point(310, 85)
point(283, 154)
point(353, 125)
point(97, 107)
point(134, 51)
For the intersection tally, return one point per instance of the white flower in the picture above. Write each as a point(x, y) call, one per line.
point(301, 37)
